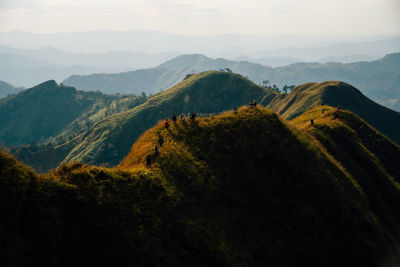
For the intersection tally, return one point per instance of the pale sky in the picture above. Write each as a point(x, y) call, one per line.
point(205, 17)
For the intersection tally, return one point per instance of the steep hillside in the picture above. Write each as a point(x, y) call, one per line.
point(229, 190)
point(109, 140)
point(49, 110)
point(379, 79)
point(292, 194)
point(342, 95)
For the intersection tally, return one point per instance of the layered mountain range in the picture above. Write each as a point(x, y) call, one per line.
point(379, 79)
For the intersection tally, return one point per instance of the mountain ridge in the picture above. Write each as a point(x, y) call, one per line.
point(233, 189)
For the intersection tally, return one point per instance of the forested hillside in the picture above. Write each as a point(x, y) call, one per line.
point(308, 195)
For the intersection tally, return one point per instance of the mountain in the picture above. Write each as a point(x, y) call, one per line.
point(234, 45)
point(271, 61)
point(348, 59)
point(8, 89)
point(49, 110)
point(371, 48)
point(342, 95)
point(108, 141)
point(149, 81)
point(115, 61)
point(379, 79)
point(246, 189)
point(164, 76)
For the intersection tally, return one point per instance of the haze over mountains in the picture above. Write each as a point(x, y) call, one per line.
point(228, 45)
point(57, 56)
point(379, 79)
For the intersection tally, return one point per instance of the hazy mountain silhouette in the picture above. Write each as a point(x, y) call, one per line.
point(8, 89)
point(379, 79)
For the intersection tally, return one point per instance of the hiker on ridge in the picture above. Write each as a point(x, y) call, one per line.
point(166, 123)
point(235, 110)
point(173, 118)
point(193, 116)
point(160, 141)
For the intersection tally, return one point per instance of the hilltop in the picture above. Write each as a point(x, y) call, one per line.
point(50, 110)
point(212, 92)
point(337, 94)
point(247, 189)
point(108, 141)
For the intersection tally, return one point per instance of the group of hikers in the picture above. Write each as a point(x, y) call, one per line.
point(192, 117)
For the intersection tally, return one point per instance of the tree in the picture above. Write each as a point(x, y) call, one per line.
point(265, 83)
point(228, 70)
point(285, 89)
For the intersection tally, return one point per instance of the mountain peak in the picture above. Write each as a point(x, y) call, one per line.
point(190, 60)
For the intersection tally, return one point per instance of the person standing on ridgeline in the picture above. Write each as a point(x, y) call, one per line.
point(160, 141)
point(193, 116)
point(166, 123)
point(173, 118)
point(235, 110)
point(182, 117)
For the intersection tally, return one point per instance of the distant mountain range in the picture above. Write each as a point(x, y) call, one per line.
point(379, 79)
point(228, 45)
point(29, 67)
point(8, 89)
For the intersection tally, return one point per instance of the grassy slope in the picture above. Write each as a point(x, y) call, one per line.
point(41, 112)
point(338, 94)
point(246, 189)
point(291, 194)
point(109, 140)
point(370, 158)
point(52, 110)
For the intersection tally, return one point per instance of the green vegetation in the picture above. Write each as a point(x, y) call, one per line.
point(337, 94)
point(108, 141)
point(230, 190)
point(52, 110)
